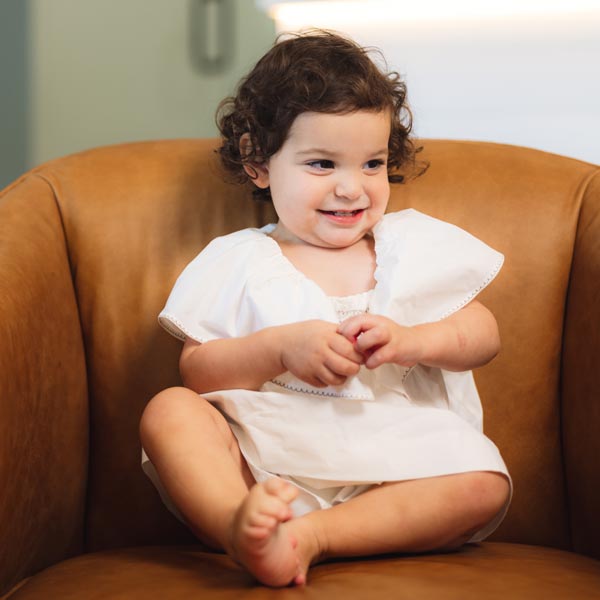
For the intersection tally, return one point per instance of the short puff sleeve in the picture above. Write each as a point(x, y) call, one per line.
point(208, 300)
point(428, 269)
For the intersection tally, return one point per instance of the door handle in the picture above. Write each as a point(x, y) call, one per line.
point(211, 35)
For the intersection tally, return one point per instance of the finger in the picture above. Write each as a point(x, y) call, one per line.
point(315, 382)
point(353, 326)
point(376, 359)
point(310, 377)
point(329, 377)
point(341, 366)
point(341, 346)
point(318, 379)
point(372, 339)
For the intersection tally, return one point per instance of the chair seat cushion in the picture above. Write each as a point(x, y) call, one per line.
point(487, 570)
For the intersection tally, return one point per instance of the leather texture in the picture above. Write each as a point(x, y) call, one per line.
point(43, 388)
point(90, 246)
point(492, 571)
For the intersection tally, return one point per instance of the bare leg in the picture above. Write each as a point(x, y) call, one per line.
point(200, 465)
point(438, 513)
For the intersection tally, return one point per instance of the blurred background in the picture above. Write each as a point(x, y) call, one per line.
point(75, 74)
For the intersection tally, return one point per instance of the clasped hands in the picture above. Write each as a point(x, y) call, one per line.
point(322, 353)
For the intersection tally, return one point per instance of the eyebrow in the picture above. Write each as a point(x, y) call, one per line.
point(315, 151)
point(325, 152)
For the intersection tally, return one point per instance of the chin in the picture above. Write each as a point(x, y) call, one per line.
point(343, 241)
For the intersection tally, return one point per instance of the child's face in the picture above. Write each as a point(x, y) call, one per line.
point(329, 181)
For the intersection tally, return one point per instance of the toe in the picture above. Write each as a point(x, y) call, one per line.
point(281, 488)
point(262, 520)
point(271, 506)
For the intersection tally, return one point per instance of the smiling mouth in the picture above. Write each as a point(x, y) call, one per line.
point(342, 213)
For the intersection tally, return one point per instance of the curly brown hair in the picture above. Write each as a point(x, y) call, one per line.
point(317, 71)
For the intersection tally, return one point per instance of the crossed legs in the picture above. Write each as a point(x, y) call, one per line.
point(201, 467)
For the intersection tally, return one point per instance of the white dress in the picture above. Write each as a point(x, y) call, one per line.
point(389, 424)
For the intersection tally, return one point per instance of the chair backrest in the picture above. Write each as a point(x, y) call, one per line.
point(134, 215)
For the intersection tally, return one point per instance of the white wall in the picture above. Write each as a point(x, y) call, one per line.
point(532, 81)
point(109, 71)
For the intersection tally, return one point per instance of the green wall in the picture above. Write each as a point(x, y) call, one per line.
point(94, 72)
point(14, 92)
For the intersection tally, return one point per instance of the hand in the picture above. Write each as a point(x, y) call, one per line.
point(381, 340)
point(316, 353)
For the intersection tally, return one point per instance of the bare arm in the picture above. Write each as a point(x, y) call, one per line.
point(312, 350)
point(465, 340)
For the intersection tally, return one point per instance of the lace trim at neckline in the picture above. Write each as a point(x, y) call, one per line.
point(351, 297)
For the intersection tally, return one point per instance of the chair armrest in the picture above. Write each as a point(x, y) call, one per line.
point(581, 377)
point(43, 395)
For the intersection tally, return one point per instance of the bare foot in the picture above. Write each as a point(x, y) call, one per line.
point(259, 536)
point(309, 547)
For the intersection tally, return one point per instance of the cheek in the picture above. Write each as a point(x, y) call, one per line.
point(381, 190)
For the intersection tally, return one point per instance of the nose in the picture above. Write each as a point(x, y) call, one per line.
point(349, 186)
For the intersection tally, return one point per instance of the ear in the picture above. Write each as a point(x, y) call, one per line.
point(258, 172)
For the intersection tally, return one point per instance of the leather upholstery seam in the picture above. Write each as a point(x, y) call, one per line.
point(579, 196)
point(47, 180)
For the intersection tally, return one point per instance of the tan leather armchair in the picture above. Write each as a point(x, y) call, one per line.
point(90, 246)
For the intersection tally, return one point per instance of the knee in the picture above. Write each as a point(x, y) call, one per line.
point(485, 494)
point(165, 411)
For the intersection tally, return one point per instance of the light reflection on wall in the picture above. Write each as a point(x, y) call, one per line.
point(522, 72)
point(338, 13)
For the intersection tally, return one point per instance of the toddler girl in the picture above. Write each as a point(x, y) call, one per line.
point(329, 408)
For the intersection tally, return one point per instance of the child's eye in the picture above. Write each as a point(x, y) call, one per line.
point(321, 164)
point(375, 163)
